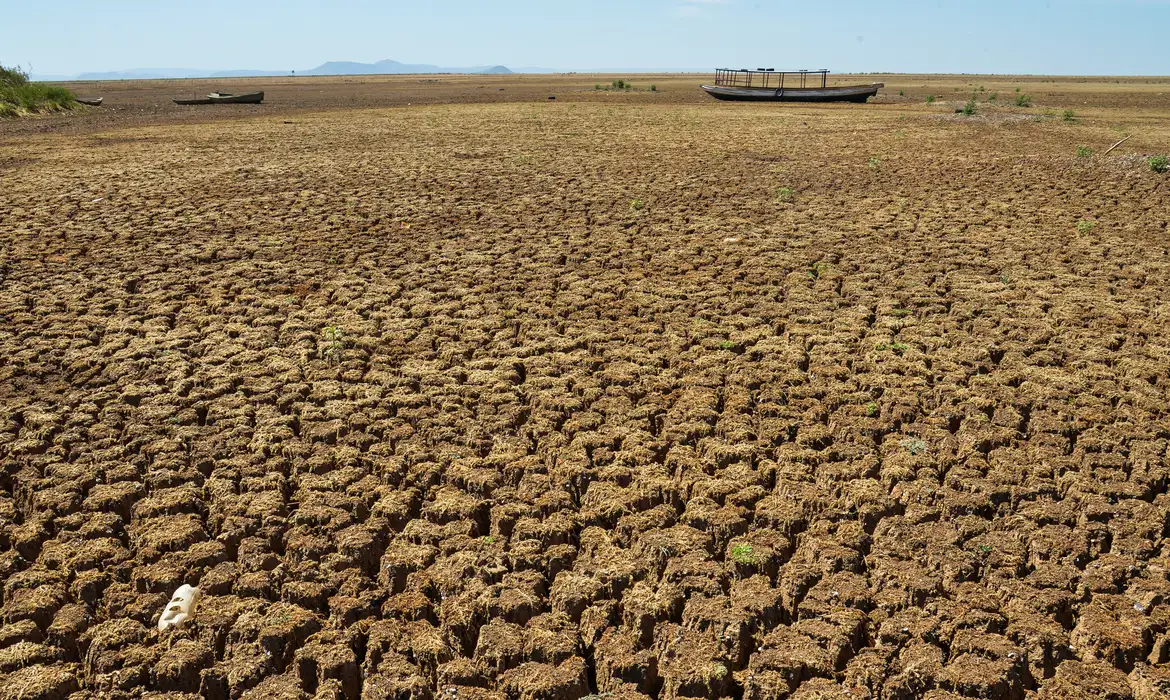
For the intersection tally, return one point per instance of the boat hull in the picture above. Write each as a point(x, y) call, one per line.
point(90, 101)
point(215, 98)
point(254, 98)
point(851, 93)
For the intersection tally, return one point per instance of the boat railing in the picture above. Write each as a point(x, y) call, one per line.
point(771, 78)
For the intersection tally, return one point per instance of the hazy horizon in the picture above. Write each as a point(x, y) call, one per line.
point(1059, 37)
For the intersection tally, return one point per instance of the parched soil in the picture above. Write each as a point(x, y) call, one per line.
point(541, 400)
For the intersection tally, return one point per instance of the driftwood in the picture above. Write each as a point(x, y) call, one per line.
point(1116, 145)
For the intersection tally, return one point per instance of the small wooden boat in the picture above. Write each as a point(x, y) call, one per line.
point(223, 98)
point(91, 101)
point(251, 98)
point(769, 85)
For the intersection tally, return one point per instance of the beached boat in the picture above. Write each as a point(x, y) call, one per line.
point(769, 85)
point(91, 101)
point(251, 98)
point(223, 98)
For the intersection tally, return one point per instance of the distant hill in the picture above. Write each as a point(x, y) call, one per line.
point(331, 68)
point(389, 67)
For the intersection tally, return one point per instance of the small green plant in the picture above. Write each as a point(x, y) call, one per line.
point(901, 93)
point(785, 194)
point(726, 345)
point(1068, 116)
point(743, 554)
point(489, 539)
point(719, 672)
point(597, 86)
point(1017, 89)
point(1023, 100)
point(896, 348)
point(969, 108)
point(993, 97)
point(930, 99)
point(1084, 151)
point(914, 446)
point(817, 270)
point(871, 409)
point(1085, 226)
point(622, 85)
point(1158, 164)
point(874, 163)
point(332, 344)
point(653, 88)
point(901, 312)
point(637, 205)
point(985, 548)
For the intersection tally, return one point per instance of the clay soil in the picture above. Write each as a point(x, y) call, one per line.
point(445, 391)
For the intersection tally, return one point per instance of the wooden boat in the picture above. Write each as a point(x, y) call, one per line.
point(91, 101)
point(769, 85)
point(222, 98)
point(251, 98)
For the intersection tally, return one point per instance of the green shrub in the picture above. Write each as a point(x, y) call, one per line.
point(993, 97)
point(18, 94)
point(785, 194)
point(969, 108)
point(1084, 151)
point(901, 93)
point(930, 99)
point(13, 77)
point(1085, 226)
point(653, 88)
point(1158, 164)
point(1023, 100)
point(1069, 116)
point(637, 205)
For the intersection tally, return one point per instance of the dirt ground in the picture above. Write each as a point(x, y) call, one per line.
point(441, 391)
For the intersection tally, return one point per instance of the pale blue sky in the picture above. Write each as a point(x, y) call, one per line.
point(1096, 37)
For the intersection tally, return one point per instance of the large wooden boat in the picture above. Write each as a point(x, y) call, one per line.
point(769, 85)
point(252, 98)
point(223, 98)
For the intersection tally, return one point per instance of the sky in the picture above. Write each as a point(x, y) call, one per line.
point(1063, 37)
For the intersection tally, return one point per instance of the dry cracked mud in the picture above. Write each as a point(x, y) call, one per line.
point(540, 401)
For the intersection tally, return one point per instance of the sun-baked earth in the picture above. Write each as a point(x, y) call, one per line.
point(623, 395)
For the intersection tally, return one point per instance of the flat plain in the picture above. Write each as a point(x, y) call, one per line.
point(441, 389)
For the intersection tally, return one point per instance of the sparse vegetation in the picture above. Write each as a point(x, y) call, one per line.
point(993, 97)
point(930, 99)
point(1068, 116)
point(914, 446)
point(1084, 151)
point(871, 409)
point(1023, 100)
point(637, 205)
point(874, 163)
point(1085, 226)
point(332, 344)
point(785, 194)
point(1158, 164)
point(969, 108)
point(743, 554)
point(18, 95)
point(653, 88)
